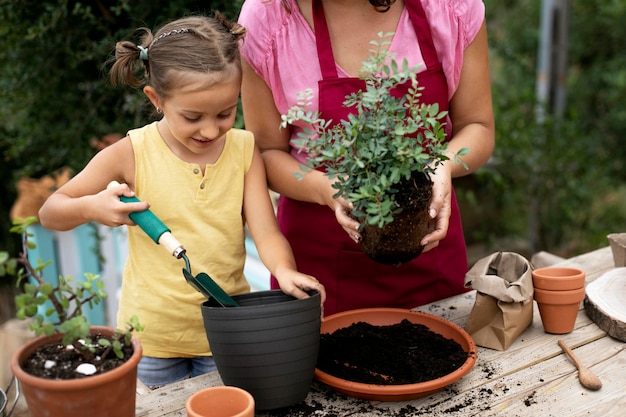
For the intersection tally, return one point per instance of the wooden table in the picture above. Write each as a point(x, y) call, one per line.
point(532, 378)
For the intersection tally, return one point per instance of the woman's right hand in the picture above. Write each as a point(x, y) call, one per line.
point(342, 209)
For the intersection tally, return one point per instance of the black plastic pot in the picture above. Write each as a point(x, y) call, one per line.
point(267, 346)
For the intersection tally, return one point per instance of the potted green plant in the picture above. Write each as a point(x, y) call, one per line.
point(382, 157)
point(72, 368)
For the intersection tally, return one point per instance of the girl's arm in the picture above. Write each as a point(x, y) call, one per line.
point(85, 198)
point(263, 119)
point(272, 246)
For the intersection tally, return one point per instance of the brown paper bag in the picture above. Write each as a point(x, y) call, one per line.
point(504, 299)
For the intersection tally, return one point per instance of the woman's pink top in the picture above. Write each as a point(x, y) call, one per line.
point(280, 46)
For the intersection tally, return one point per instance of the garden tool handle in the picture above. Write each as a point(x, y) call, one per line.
point(155, 228)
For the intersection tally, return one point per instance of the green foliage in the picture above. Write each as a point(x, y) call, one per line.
point(56, 93)
point(67, 299)
point(384, 143)
point(562, 176)
point(54, 90)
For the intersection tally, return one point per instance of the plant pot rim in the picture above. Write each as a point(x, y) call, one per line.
point(558, 271)
point(269, 295)
point(69, 384)
point(559, 297)
point(558, 278)
point(223, 390)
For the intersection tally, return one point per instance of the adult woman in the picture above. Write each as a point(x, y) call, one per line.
point(287, 41)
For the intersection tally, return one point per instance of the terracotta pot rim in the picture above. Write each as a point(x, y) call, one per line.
point(71, 384)
point(224, 390)
point(558, 271)
point(559, 297)
point(558, 278)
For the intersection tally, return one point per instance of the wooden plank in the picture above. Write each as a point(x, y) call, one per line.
point(533, 377)
point(594, 263)
point(564, 396)
point(169, 401)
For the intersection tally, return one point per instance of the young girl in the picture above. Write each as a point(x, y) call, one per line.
point(200, 176)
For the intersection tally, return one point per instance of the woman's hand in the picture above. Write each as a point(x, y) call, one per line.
point(342, 209)
point(440, 207)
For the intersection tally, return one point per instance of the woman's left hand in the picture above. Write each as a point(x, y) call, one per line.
point(440, 207)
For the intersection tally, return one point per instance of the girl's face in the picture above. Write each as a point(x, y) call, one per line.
point(198, 116)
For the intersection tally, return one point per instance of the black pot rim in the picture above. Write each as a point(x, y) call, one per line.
point(273, 296)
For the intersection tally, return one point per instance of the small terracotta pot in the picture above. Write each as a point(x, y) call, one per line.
point(554, 278)
point(559, 309)
point(223, 401)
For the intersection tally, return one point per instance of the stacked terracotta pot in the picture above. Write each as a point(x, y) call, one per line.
point(558, 292)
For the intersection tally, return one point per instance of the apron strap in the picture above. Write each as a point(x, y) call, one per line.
point(325, 49)
point(322, 41)
point(423, 32)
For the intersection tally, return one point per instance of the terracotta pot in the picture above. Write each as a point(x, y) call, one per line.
point(554, 278)
point(267, 346)
point(400, 241)
point(220, 402)
point(108, 394)
point(559, 309)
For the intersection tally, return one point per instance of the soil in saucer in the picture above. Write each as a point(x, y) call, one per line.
point(403, 353)
point(57, 361)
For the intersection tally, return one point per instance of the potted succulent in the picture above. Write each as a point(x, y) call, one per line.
point(382, 157)
point(72, 368)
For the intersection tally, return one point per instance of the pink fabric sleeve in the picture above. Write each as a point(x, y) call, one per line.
point(454, 24)
point(281, 48)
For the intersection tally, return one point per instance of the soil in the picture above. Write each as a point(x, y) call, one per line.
point(403, 353)
point(68, 359)
point(399, 241)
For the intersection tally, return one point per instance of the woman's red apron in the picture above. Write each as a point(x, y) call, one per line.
point(323, 249)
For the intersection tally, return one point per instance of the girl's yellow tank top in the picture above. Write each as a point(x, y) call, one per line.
point(205, 213)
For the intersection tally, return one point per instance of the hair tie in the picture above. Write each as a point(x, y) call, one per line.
point(143, 54)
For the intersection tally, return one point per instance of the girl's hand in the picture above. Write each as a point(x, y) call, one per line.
point(298, 284)
point(114, 212)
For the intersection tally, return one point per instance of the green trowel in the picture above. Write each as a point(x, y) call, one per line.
point(162, 235)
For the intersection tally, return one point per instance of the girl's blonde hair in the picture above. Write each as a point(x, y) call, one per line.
point(200, 44)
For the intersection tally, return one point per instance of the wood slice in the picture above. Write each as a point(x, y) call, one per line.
point(604, 302)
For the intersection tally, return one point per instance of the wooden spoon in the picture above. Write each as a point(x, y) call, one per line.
point(587, 378)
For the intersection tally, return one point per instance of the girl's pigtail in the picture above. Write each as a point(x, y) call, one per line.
point(233, 28)
point(127, 56)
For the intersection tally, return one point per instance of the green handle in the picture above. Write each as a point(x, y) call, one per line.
point(146, 219)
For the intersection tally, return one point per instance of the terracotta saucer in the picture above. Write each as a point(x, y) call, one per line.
point(386, 316)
